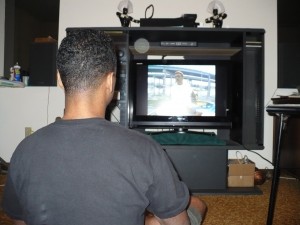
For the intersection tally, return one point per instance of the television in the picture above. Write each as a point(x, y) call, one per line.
point(180, 94)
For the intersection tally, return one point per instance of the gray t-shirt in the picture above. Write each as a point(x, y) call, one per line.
point(91, 171)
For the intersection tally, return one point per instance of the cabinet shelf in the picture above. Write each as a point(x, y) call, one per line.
point(190, 51)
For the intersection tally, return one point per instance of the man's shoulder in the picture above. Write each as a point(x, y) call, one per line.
point(131, 133)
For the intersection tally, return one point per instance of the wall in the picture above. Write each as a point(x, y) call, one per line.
point(93, 13)
point(26, 107)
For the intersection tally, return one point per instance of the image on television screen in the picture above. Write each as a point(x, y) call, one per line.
point(181, 90)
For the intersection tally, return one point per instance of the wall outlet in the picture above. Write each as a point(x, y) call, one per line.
point(28, 131)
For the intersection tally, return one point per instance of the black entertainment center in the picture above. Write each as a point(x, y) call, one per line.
point(224, 68)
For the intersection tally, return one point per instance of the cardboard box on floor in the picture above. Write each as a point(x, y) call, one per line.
point(240, 174)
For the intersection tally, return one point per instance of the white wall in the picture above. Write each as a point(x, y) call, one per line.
point(26, 107)
point(2, 32)
point(94, 13)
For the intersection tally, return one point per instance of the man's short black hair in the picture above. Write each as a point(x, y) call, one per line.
point(84, 57)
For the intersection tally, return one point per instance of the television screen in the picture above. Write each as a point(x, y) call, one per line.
point(178, 93)
point(180, 90)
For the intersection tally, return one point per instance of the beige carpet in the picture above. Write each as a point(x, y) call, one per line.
point(241, 209)
point(253, 209)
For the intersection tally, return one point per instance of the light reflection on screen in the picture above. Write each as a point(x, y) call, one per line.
point(181, 90)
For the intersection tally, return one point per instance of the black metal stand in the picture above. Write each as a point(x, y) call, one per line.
point(276, 173)
point(283, 112)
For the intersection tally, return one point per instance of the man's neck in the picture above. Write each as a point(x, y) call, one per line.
point(83, 107)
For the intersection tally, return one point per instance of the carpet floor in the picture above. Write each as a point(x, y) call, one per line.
point(240, 209)
point(253, 209)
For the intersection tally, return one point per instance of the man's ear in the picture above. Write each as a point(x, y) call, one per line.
point(59, 82)
point(111, 80)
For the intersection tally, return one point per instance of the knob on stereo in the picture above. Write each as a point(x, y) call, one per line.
point(141, 45)
point(120, 53)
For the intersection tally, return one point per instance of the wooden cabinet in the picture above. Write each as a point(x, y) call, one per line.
point(238, 57)
point(237, 54)
point(202, 168)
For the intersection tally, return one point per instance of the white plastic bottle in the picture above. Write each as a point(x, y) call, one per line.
point(17, 70)
point(12, 74)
